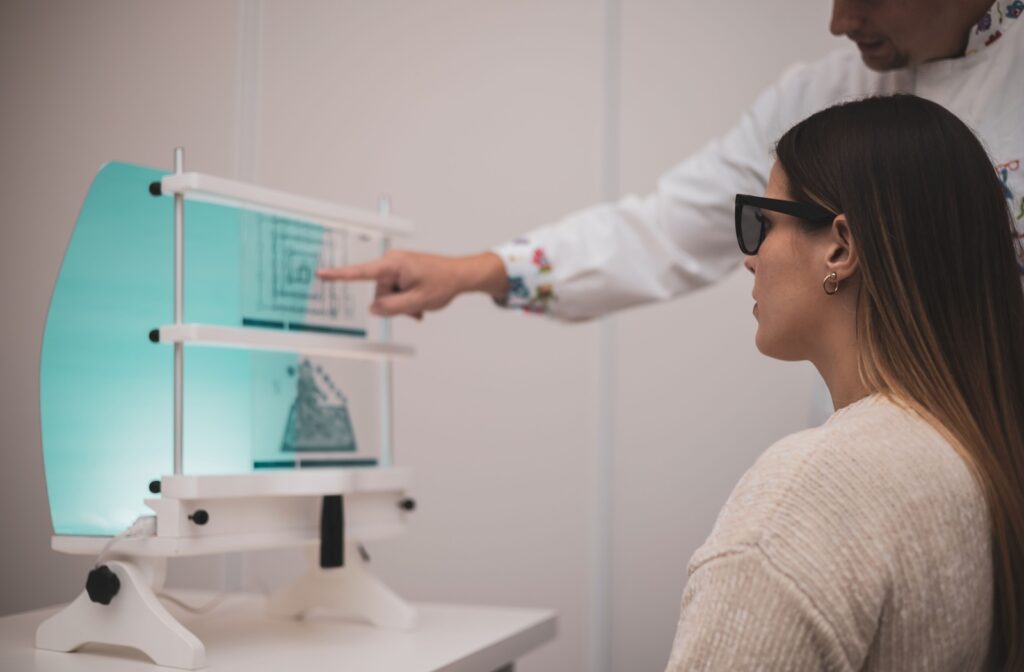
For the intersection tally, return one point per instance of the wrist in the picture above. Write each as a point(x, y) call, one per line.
point(485, 273)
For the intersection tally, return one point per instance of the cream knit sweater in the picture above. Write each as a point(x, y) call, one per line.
point(862, 544)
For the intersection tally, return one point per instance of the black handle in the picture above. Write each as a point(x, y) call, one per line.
point(332, 532)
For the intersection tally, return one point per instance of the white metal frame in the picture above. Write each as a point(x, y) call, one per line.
point(209, 188)
point(249, 511)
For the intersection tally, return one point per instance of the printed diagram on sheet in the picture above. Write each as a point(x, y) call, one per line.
point(280, 257)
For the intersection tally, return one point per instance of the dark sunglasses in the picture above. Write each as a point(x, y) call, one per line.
point(751, 222)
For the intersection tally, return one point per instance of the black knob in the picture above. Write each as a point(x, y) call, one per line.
point(154, 487)
point(407, 504)
point(102, 585)
point(155, 189)
point(200, 517)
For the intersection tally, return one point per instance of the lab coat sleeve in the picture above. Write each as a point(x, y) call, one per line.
point(740, 612)
point(643, 249)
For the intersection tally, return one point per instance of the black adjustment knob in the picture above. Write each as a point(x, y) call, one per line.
point(155, 189)
point(154, 487)
point(200, 517)
point(407, 504)
point(102, 585)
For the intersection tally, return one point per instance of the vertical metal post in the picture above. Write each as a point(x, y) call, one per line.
point(386, 399)
point(179, 310)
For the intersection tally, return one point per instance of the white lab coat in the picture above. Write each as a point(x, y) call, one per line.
point(681, 237)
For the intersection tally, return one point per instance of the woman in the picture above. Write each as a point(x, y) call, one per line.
point(891, 537)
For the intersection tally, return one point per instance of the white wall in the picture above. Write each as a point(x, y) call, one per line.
point(479, 120)
point(695, 402)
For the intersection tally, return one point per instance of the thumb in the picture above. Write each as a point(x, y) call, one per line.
point(403, 303)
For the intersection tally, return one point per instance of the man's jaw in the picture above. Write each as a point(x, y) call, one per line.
point(878, 53)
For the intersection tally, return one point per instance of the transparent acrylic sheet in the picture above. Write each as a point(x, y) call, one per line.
point(106, 391)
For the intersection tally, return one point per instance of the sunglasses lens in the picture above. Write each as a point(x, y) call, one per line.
point(750, 229)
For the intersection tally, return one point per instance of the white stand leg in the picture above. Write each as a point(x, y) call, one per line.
point(348, 592)
point(134, 618)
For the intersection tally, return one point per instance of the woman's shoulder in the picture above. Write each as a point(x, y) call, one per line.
point(870, 522)
point(868, 470)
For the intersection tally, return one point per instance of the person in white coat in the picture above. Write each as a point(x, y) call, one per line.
point(966, 55)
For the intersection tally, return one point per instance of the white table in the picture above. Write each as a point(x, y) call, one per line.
point(239, 637)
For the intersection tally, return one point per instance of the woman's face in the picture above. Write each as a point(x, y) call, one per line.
point(788, 272)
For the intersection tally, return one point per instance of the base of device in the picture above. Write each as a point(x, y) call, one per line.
point(349, 592)
point(135, 618)
point(330, 511)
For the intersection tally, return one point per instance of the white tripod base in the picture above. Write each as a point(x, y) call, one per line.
point(349, 592)
point(134, 618)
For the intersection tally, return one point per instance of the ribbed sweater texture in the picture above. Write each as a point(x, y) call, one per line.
point(863, 544)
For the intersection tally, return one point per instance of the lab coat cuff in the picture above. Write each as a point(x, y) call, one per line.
point(530, 281)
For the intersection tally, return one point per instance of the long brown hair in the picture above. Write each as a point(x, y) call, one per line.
point(940, 316)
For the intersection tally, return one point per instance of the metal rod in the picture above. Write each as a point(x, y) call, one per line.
point(387, 455)
point(179, 312)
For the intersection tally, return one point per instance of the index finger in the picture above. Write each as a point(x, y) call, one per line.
point(371, 270)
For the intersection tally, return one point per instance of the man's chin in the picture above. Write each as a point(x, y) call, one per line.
point(884, 60)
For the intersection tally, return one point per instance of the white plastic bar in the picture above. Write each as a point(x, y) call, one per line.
point(287, 483)
point(210, 188)
point(174, 547)
point(310, 343)
point(179, 314)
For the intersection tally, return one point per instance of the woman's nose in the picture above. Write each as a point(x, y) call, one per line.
point(750, 262)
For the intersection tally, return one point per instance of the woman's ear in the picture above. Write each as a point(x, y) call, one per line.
point(842, 249)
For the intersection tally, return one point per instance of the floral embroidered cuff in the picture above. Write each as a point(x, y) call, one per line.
point(530, 282)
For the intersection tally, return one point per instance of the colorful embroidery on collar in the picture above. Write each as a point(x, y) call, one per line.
point(993, 24)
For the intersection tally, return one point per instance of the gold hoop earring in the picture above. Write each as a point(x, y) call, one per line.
point(831, 283)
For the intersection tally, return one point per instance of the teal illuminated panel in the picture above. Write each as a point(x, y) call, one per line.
point(106, 390)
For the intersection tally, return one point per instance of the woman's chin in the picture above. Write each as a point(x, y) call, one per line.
point(776, 348)
point(761, 343)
